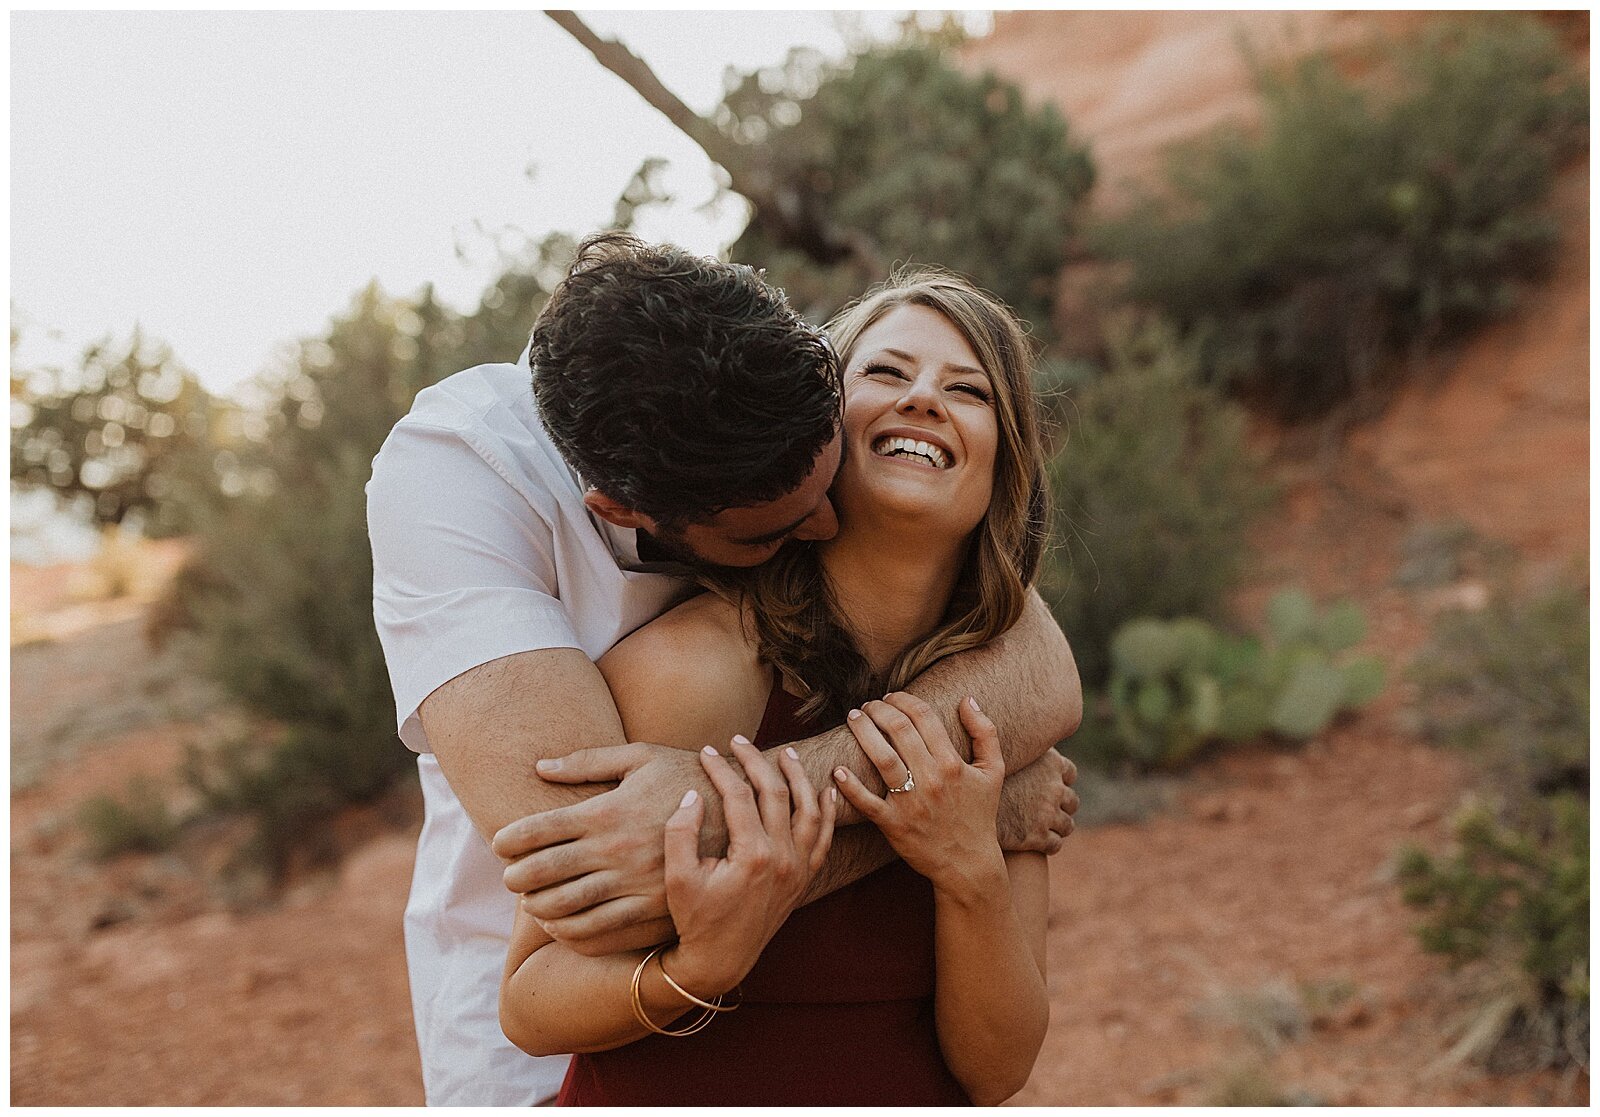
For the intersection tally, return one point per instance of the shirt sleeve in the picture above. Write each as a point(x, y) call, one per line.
point(463, 567)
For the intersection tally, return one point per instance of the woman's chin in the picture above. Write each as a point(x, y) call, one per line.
point(919, 511)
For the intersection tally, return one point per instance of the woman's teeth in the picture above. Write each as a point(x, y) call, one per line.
point(899, 446)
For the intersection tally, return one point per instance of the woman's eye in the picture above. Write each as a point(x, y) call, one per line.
point(972, 390)
point(883, 370)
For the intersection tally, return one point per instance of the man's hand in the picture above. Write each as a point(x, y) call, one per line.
point(592, 873)
point(1037, 805)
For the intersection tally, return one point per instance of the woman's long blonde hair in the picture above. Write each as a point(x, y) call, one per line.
point(795, 620)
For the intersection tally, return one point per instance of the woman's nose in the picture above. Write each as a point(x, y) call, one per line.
point(921, 397)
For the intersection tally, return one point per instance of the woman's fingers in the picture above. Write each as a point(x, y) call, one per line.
point(804, 823)
point(902, 735)
point(683, 840)
point(738, 804)
point(828, 808)
point(772, 790)
point(856, 794)
point(877, 747)
point(986, 752)
point(926, 734)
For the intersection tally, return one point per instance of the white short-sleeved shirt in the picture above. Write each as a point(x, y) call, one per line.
point(482, 548)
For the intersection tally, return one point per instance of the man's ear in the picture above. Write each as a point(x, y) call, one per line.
point(612, 512)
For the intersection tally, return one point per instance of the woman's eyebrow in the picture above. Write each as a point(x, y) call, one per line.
point(962, 370)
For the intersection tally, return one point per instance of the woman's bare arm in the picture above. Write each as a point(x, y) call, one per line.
point(991, 1005)
point(554, 1000)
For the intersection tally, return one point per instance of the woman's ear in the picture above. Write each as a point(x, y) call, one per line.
point(612, 512)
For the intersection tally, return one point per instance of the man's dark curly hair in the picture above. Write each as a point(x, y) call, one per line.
point(678, 385)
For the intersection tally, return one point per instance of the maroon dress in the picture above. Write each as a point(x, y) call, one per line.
point(838, 1011)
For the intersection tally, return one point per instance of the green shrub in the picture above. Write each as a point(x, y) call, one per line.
point(929, 163)
point(276, 604)
point(1518, 895)
point(1510, 683)
point(289, 788)
point(137, 822)
point(1155, 490)
point(128, 431)
point(1362, 223)
point(1179, 685)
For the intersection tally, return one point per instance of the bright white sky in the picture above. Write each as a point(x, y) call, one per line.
point(230, 180)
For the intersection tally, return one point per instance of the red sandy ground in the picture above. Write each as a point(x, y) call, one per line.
point(133, 983)
point(137, 982)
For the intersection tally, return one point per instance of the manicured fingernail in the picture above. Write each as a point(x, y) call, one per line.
point(740, 739)
point(839, 774)
point(548, 765)
point(688, 797)
point(833, 793)
point(854, 714)
point(709, 750)
point(791, 754)
point(975, 705)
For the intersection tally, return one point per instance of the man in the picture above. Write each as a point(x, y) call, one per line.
point(685, 414)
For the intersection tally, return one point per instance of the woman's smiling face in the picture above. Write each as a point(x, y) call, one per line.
point(919, 424)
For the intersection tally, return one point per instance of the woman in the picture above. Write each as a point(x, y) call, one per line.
point(941, 506)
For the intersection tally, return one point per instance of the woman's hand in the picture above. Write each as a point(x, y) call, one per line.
point(726, 909)
point(944, 825)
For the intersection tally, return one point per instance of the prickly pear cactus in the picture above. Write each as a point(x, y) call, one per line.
point(1165, 702)
point(1178, 684)
point(1310, 700)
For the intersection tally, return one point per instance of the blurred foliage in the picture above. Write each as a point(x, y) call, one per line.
point(929, 163)
point(1181, 684)
point(277, 599)
point(1510, 683)
point(1155, 490)
point(1251, 1083)
point(128, 431)
point(1439, 553)
point(1517, 896)
point(139, 821)
point(1364, 223)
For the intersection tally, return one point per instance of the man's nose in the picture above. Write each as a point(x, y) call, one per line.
point(821, 524)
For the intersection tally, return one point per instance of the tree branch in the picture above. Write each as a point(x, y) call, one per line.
point(789, 215)
point(634, 70)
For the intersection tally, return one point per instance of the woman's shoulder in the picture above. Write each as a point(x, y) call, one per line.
point(688, 675)
point(703, 633)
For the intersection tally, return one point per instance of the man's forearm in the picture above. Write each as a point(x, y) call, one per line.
point(856, 851)
point(1025, 680)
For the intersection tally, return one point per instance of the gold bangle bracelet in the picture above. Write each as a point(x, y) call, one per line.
point(643, 1017)
point(688, 996)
